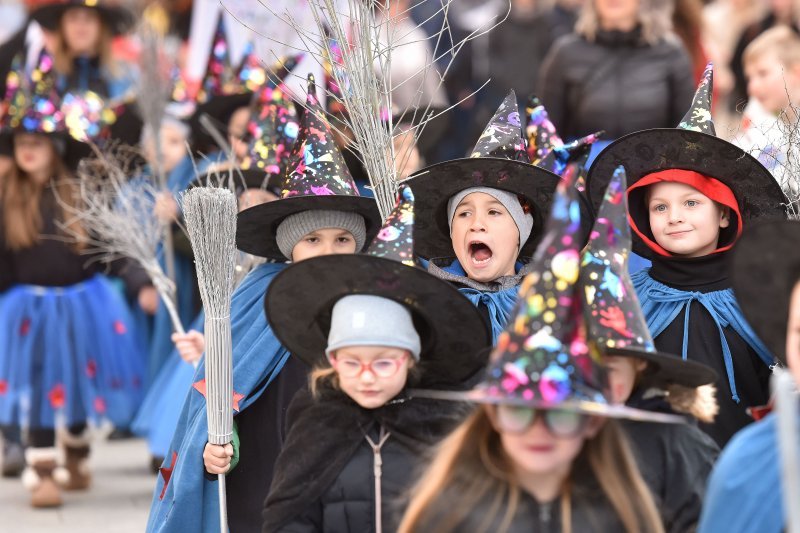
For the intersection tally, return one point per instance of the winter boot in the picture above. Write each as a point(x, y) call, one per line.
point(39, 477)
point(76, 459)
point(13, 458)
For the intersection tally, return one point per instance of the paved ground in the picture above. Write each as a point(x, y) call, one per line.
point(118, 501)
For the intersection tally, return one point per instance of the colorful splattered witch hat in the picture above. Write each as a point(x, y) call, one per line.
point(451, 341)
point(117, 18)
point(615, 322)
point(500, 161)
point(764, 270)
point(546, 149)
point(543, 359)
point(32, 105)
point(690, 154)
point(316, 178)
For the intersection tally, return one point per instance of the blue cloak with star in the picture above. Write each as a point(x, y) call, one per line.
point(184, 499)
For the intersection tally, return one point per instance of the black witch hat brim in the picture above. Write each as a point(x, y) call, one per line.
point(641, 153)
point(764, 270)
point(75, 150)
point(433, 187)
point(452, 341)
point(257, 227)
point(238, 178)
point(118, 19)
point(664, 369)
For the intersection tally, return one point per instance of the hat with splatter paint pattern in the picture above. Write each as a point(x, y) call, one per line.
point(696, 156)
point(615, 322)
point(452, 332)
point(316, 178)
point(543, 359)
point(499, 160)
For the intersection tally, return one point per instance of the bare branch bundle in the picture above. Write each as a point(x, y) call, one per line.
point(360, 41)
point(117, 214)
point(210, 214)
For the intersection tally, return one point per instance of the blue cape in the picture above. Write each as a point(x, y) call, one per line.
point(744, 492)
point(190, 502)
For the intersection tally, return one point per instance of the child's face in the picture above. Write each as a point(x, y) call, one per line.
point(81, 28)
point(325, 241)
point(538, 452)
point(768, 82)
point(371, 375)
point(34, 155)
point(793, 334)
point(237, 130)
point(485, 238)
point(684, 221)
point(253, 197)
point(622, 372)
point(173, 146)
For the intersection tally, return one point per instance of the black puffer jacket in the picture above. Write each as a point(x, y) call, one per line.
point(617, 83)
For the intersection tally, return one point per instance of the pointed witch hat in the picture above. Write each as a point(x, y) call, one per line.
point(615, 322)
point(316, 178)
point(698, 158)
point(451, 341)
point(32, 105)
point(500, 161)
point(117, 18)
point(543, 358)
point(545, 147)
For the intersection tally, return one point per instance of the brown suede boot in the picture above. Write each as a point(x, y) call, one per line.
point(38, 478)
point(76, 460)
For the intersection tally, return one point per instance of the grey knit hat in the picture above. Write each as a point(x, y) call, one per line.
point(295, 226)
point(366, 320)
point(523, 220)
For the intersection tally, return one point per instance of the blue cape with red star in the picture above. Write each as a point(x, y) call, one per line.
point(184, 499)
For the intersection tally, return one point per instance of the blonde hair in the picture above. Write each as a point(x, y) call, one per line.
point(782, 41)
point(654, 17)
point(470, 467)
point(21, 196)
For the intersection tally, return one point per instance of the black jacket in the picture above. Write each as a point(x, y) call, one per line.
point(324, 478)
point(617, 83)
point(675, 461)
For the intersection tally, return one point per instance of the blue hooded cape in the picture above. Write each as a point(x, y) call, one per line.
point(744, 492)
point(184, 499)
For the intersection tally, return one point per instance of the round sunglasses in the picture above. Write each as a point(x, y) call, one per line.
point(559, 422)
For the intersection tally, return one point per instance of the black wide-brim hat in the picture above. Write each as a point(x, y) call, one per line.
point(300, 300)
point(119, 19)
point(764, 270)
point(641, 153)
point(664, 369)
point(75, 150)
point(257, 227)
point(238, 179)
point(433, 187)
point(219, 109)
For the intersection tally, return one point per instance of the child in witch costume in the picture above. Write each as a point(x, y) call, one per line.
point(487, 210)
point(746, 492)
point(319, 213)
point(675, 459)
point(542, 452)
point(371, 325)
point(689, 196)
point(67, 350)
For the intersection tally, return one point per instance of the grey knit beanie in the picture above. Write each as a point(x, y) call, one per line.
point(366, 320)
point(523, 220)
point(295, 226)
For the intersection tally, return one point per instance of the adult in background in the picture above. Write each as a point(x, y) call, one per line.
point(621, 71)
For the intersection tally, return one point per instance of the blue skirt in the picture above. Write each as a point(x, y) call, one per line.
point(68, 355)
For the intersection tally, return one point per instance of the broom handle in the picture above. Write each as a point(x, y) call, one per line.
point(786, 403)
point(223, 504)
point(166, 241)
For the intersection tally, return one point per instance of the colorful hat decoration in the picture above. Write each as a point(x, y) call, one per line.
point(615, 322)
point(499, 160)
point(220, 77)
point(316, 178)
point(273, 129)
point(692, 147)
point(451, 342)
point(543, 358)
point(333, 62)
point(118, 19)
point(545, 147)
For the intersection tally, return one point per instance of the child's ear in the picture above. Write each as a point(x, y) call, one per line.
point(725, 217)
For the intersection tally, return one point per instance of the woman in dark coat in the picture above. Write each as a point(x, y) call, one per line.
point(622, 71)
